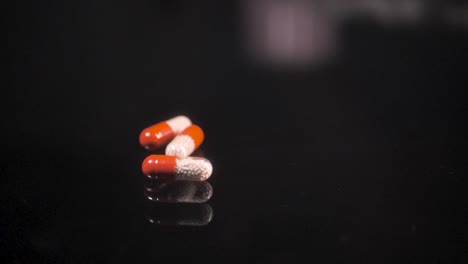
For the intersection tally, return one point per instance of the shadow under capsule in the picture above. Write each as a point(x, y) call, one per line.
point(170, 191)
point(183, 214)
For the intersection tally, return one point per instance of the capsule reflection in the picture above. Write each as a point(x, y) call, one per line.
point(168, 214)
point(177, 191)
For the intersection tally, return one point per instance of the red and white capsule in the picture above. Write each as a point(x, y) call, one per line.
point(157, 135)
point(184, 169)
point(186, 142)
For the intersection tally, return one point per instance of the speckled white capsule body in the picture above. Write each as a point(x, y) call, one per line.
point(193, 169)
point(186, 142)
point(181, 146)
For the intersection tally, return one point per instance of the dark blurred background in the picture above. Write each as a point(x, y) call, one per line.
point(337, 129)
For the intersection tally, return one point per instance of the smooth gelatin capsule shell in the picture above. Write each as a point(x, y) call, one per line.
point(196, 133)
point(156, 136)
point(160, 134)
point(158, 164)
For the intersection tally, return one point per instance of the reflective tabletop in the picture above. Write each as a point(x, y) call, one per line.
point(336, 133)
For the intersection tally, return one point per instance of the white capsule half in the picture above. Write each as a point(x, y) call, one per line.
point(193, 169)
point(179, 123)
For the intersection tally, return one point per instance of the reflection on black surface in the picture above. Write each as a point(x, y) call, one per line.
point(179, 214)
point(177, 191)
point(178, 203)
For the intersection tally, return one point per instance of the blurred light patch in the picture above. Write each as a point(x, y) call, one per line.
point(382, 11)
point(300, 33)
point(288, 33)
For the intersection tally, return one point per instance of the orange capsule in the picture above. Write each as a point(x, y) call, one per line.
point(155, 136)
point(184, 169)
point(186, 142)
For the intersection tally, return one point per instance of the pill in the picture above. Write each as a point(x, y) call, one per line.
point(171, 167)
point(169, 191)
point(186, 142)
point(157, 135)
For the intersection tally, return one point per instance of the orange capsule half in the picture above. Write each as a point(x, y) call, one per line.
point(186, 142)
point(171, 167)
point(157, 135)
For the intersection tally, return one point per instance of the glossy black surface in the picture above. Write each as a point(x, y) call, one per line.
point(361, 160)
point(177, 191)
